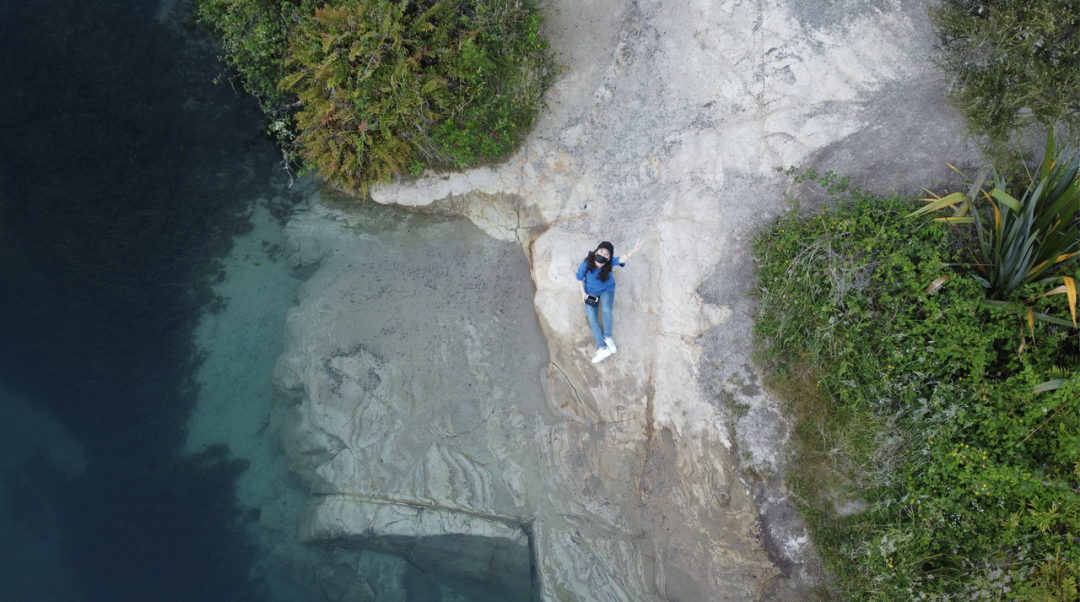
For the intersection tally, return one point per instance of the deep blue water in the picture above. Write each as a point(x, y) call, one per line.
point(124, 173)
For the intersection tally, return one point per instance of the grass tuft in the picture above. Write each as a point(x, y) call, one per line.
point(1012, 64)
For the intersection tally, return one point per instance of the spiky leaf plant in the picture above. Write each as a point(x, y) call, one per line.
point(1022, 240)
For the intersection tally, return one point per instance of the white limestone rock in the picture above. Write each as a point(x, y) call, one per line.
point(666, 124)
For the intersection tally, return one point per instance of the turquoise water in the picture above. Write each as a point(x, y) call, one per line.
point(125, 173)
point(142, 309)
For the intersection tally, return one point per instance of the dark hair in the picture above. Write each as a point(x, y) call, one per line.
point(590, 265)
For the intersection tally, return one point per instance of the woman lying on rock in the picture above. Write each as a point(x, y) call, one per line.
point(598, 292)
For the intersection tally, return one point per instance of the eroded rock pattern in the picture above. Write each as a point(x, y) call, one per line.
point(414, 374)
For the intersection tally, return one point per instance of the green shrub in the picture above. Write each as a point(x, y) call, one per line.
point(1012, 63)
point(923, 405)
point(368, 79)
point(504, 70)
point(254, 37)
point(388, 88)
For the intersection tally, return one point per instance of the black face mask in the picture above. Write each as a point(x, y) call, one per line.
point(600, 259)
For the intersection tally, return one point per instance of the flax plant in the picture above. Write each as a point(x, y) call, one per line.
point(1022, 240)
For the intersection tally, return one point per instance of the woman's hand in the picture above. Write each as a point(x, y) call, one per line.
point(636, 248)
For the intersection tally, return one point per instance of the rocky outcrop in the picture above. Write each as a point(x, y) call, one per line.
point(414, 375)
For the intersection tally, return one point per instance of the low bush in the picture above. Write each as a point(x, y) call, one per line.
point(921, 408)
point(254, 37)
point(504, 71)
point(379, 89)
point(368, 87)
point(1012, 63)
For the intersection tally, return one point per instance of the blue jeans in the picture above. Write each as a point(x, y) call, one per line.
point(607, 299)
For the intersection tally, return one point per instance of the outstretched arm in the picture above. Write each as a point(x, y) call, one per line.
point(636, 248)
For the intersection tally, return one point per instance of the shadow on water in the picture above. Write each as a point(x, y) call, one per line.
point(124, 174)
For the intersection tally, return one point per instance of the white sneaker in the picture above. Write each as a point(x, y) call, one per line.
point(601, 355)
point(611, 345)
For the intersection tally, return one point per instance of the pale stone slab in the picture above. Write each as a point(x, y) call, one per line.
point(666, 124)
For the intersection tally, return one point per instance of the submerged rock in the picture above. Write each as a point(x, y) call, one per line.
point(483, 558)
point(431, 424)
point(413, 360)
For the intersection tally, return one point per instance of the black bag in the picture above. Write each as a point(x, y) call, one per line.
point(592, 300)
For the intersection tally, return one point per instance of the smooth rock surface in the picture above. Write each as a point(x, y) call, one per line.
point(667, 124)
